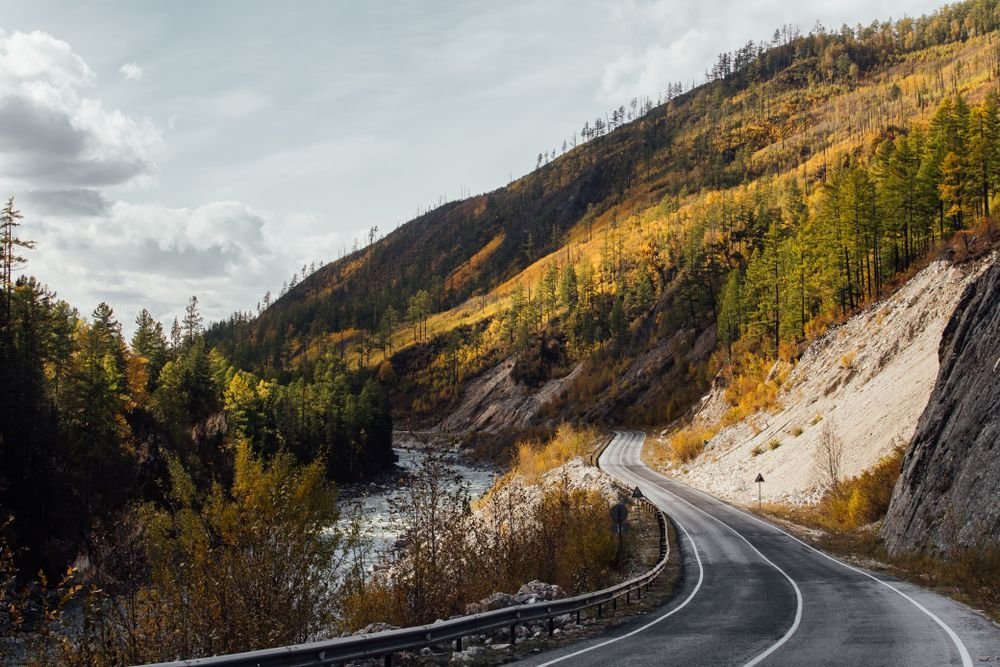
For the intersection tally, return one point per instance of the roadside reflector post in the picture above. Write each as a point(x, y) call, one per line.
point(760, 493)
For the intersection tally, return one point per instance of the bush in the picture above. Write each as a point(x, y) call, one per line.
point(688, 443)
point(535, 458)
point(248, 567)
point(245, 567)
point(754, 386)
point(451, 556)
point(864, 499)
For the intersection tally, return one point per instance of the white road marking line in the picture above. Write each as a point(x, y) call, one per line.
point(701, 577)
point(962, 651)
point(798, 593)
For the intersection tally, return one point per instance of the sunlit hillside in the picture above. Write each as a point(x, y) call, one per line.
point(797, 185)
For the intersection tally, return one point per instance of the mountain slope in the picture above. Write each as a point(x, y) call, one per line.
point(759, 207)
point(866, 381)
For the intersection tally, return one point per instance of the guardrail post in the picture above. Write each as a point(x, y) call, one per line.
point(513, 633)
point(578, 617)
point(599, 611)
point(614, 604)
point(628, 597)
point(388, 660)
point(458, 643)
point(552, 625)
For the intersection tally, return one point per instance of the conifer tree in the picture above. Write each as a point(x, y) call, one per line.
point(11, 247)
point(192, 323)
point(149, 342)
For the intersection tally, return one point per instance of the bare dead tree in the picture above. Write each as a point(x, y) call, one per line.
point(829, 457)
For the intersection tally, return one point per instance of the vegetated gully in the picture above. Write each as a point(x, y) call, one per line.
point(753, 594)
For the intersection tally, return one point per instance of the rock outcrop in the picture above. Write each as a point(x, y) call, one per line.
point(948, 494)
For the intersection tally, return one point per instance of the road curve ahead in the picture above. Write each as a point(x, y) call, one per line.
point(752, 594)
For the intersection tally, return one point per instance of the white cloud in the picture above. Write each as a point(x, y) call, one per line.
point(131, 71)
point(152, 256)
point(146, 255)
point(51, 137)
point(40, 57)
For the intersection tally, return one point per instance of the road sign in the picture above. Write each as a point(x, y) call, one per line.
point(760, 478)
point(637, 493)
point(760, 493)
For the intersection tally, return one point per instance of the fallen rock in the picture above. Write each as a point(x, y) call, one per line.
point(376, 627)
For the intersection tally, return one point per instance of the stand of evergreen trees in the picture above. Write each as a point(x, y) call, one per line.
point(89, 422)
point(870, 218)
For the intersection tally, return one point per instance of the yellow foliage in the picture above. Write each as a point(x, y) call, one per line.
point(536, 458)
point(688, 443)
point(863, 499)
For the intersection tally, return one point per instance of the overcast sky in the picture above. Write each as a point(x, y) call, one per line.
point(164, 149)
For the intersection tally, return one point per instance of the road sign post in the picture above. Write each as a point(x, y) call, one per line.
point(619, 512)
point(637, 495)
point(760, 493)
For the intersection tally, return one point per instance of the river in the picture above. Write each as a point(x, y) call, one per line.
point(372, 502)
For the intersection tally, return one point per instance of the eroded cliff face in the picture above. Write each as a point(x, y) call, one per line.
point(948, 494)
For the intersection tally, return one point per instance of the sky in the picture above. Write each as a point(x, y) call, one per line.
point(160, 150)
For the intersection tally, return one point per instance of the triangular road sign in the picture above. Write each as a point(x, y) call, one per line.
point(760, 478)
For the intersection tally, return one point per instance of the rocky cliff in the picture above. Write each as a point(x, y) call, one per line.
point(868, 379)
point(948, 494)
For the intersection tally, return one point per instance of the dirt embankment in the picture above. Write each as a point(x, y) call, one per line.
point(495, 401)
point(867, 380)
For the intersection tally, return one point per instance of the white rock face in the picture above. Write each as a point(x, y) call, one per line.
point(868, 379)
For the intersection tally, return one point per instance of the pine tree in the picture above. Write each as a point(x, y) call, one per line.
point(953, 189)
point(984, 133)
point(192, 322)
point(149, 342)
point(10, 248)
point(176, 336)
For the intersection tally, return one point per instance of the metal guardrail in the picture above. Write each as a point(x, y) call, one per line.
point(596, 454)
point(385, 644)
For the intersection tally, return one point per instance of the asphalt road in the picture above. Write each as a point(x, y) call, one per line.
point(752, 594)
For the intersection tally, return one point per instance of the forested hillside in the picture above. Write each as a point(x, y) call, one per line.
point(90, 422)
point(804, 179)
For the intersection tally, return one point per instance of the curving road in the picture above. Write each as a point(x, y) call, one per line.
point(753, 594)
